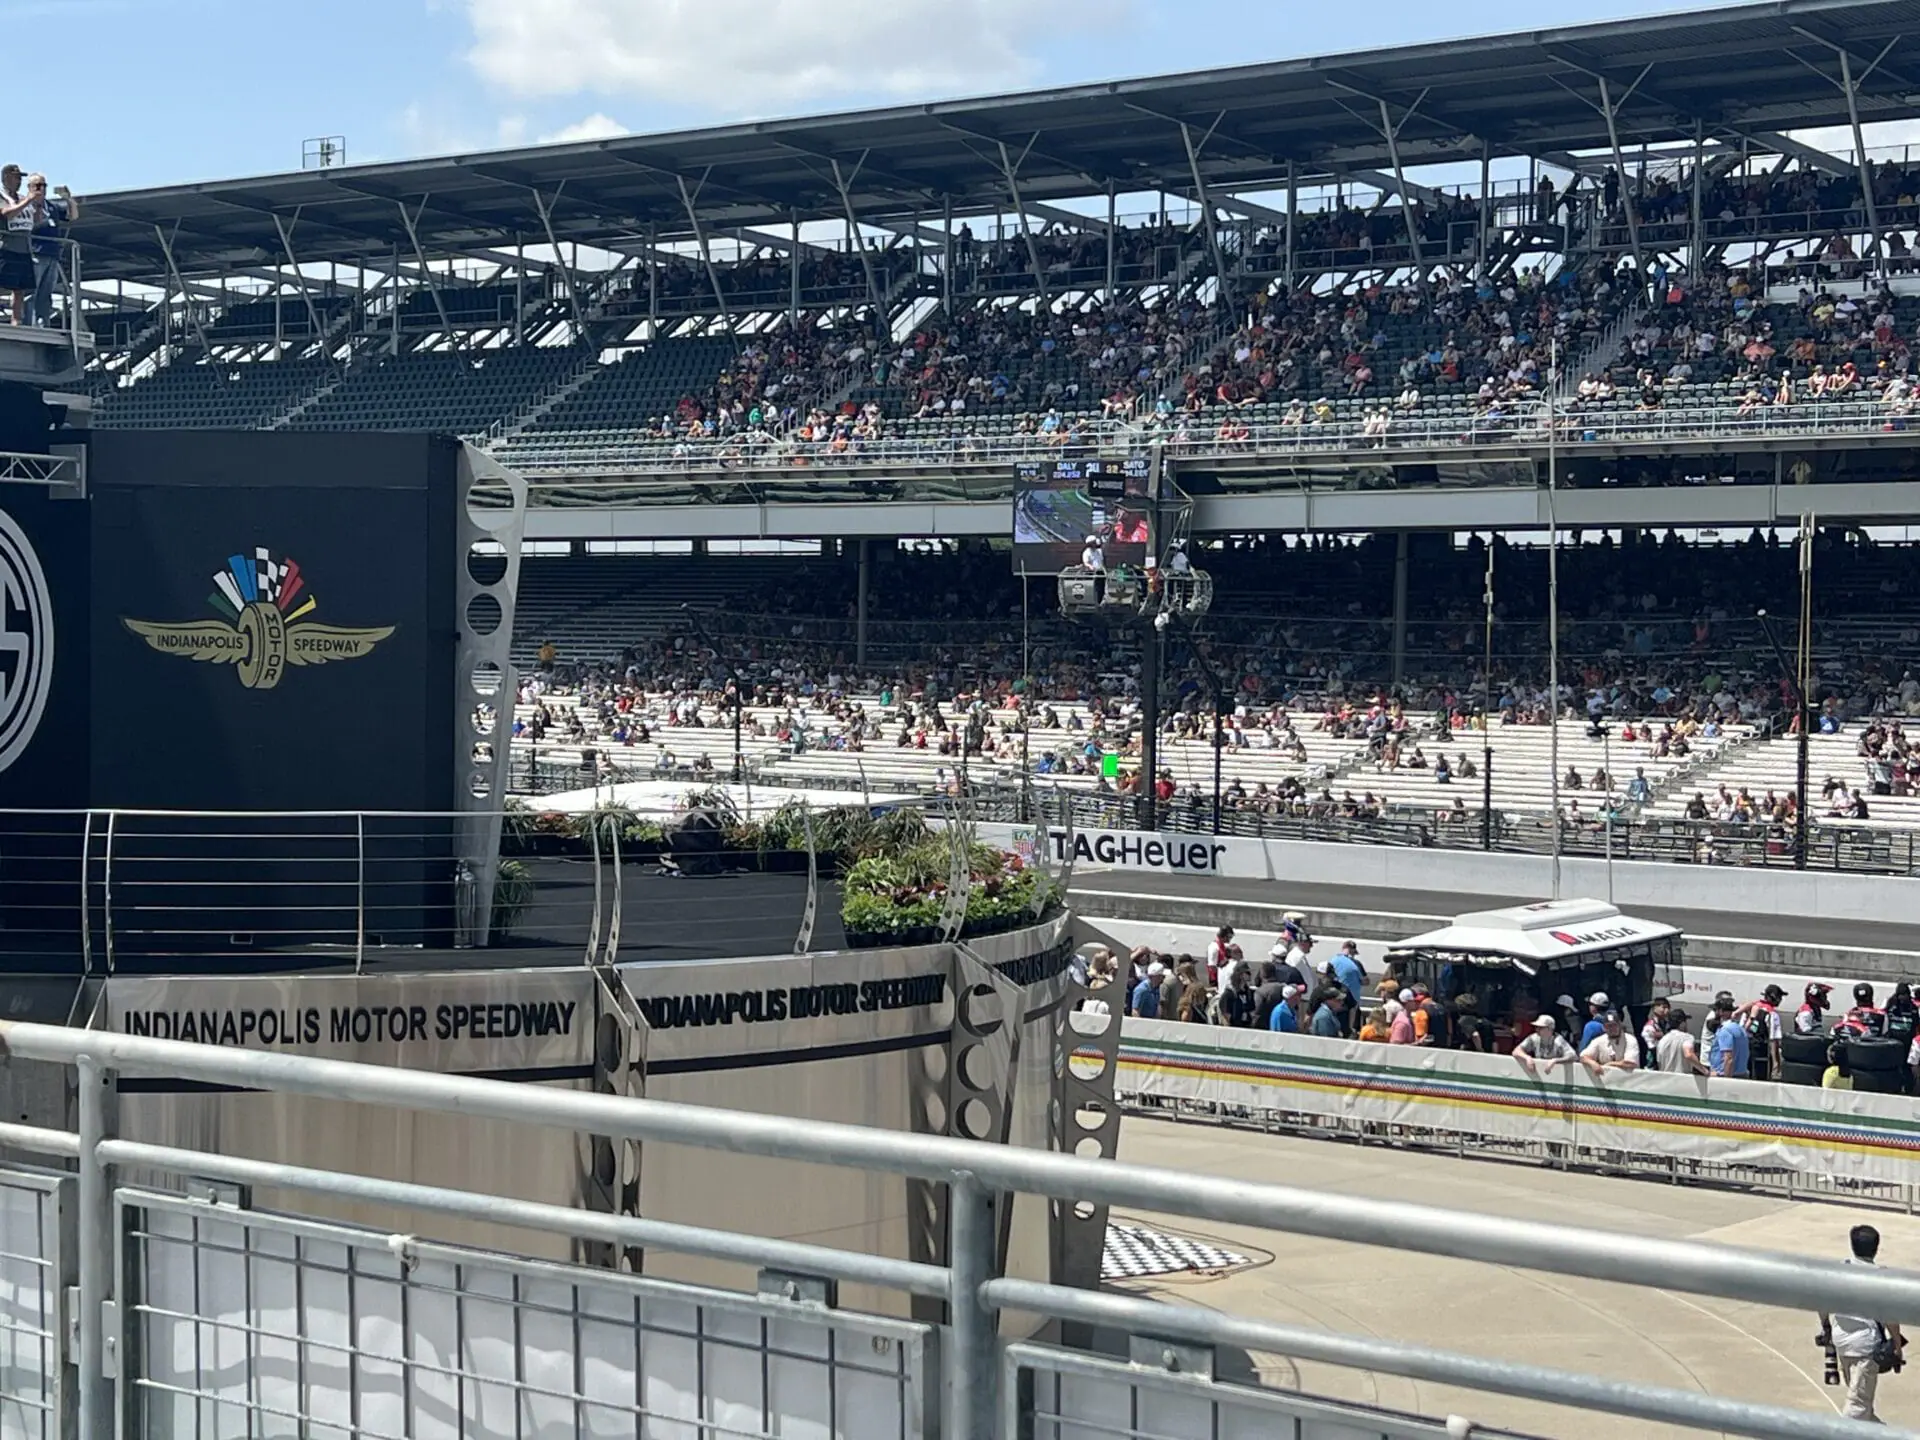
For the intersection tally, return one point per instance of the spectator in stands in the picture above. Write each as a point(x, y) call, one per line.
point(1613, 1049)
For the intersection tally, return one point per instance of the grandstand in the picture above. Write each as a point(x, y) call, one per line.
point(1658, 317)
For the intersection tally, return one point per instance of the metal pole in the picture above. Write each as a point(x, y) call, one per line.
point(946, 254)
point(1113, 227)
point(360, 892)
point(1293, 217)
point(1699, 265)
point(1553, 606)
point(860, 610)
point(1399, 609)
point(1802, 687)
point(975, 1369)
point(97, 1421)
point(1486, 716)
point(1026, 675)
point(1150, 658)
point(1486, 203)
point(793, 274)
point(1026, 230)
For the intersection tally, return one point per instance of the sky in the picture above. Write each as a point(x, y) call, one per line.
point(170, 91)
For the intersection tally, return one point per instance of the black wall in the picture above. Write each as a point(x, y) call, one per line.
point(39, 854)
point(370, 522)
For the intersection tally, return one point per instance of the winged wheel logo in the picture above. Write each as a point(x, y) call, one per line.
point(264, 624)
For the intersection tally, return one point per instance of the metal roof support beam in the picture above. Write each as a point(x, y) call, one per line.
point(411, 222)
point(843, 182)
point(1088, 224)
point(1852, 89)
point(173, 269)
point(545, 209)
point(285, 227)
point(1207, 216)
point(1611, 111)
point(1008, 168)
point(706, 251)
point(1800, 150)
point(1391, 132)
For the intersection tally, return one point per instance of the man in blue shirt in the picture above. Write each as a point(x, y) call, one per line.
point(1146, 995)
point(1286, 1017)
point(1348, 970)
point(1326, 1020)
point(1595, 1027)
point(1729, 1055)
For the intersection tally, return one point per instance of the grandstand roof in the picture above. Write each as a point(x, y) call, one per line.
point(1742, 72)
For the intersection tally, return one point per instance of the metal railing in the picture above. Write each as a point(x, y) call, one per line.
point(560, 466)
point(129, 1351)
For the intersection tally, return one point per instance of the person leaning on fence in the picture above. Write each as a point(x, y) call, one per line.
point(1865, 1349)
point(1543, 1049)
point(1613, 1049)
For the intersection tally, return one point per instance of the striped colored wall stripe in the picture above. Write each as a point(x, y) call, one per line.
point(1321, 1083)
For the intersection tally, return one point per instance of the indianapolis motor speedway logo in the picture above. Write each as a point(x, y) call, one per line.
point(26, 641)
point(265, 625)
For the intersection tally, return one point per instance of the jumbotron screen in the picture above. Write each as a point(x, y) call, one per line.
point(1057, 504)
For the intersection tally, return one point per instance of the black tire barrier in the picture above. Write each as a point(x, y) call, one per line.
point(1884, 1056)
point(1793, 1074)
point(1798, 1049)
point(1879, 1082)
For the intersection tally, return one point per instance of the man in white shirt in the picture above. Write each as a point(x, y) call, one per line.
point(1676, 1054)
point(1856, 1339)
point(1612, 1049)
point(1543, 1049)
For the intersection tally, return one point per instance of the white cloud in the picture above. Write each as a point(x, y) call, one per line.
point(596, 126)
point(754, 56)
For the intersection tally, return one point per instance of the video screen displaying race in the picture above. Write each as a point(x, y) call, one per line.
point(1057, 504)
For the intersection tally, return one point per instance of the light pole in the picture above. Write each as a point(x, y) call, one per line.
point(1804, 713)
point(1553, 606)
point(1486, 715)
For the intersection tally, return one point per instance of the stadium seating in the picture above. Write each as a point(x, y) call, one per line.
point(210, 395)
point(443, 390)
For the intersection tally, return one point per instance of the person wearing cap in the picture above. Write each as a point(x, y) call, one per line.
point(1729, 1053)
point(1614, 1048)
point(1543, 1049)
point(1595, 1026)
point(1146, 995)
point(1567, 1018)
point(1221, 952)
point(1400, 1023)
point(1289, 974)
point(1676, 1054)
point(1348, 970)
point(1285, 1017)
point(1761, 1019)
point(1430, 1025)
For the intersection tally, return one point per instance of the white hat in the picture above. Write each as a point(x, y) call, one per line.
point(1156, 970)
point(1279, 950)
point(1543, 1022)
point(1406, 997)
point(1289, 992)
point(1598, 997)
point(1566, 1000)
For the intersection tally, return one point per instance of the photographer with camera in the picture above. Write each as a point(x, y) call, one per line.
point(1860, 1350)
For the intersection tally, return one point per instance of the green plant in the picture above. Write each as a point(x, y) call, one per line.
point(512, 894)
point(786, 828)
point(516, 823)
